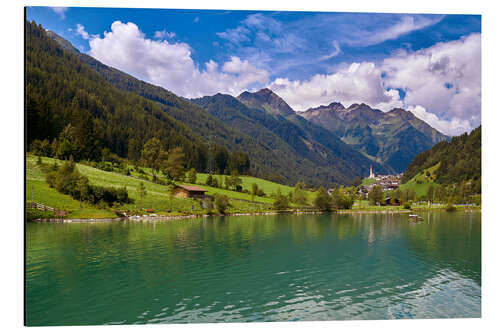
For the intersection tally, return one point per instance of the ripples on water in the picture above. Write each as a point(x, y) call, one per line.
point(262, 268)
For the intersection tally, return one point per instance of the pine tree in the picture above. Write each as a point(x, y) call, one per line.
point(235, 181)
point(175, 164)
point(151, 154)
point(191, 176)
point(209, 181)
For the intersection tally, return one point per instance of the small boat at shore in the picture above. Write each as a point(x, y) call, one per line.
point(415, 217)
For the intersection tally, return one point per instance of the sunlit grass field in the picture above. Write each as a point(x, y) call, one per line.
point(156, 199)
point(420, 183)
point(267, 186)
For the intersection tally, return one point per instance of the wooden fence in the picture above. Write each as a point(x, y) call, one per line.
point(39, 206)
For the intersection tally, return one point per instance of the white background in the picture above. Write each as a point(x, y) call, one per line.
point(12, 165)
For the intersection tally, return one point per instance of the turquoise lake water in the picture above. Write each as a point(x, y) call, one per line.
point(255, 268)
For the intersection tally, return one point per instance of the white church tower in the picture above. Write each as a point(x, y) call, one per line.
point(371, 172)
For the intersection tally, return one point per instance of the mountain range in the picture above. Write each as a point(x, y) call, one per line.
point(323, 146)
point(391, 138)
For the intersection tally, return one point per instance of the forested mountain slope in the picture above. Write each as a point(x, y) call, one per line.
point(266, 100)
point(70, 105)
point(459, 160)
point(297, 149)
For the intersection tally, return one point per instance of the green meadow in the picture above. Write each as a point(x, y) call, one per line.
point(156, 199)
point(159, 202)
point(420, 182)
point(368, 181)
point(267, 186)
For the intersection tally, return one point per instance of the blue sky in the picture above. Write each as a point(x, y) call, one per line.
point(309, 59)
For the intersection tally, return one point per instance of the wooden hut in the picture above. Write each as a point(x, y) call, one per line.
point(189, 191)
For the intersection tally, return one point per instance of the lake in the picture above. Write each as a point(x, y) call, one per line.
point(254, 268)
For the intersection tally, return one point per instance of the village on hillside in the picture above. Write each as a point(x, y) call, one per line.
point(386, 183)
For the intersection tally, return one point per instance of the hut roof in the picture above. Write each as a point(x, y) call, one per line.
point(192, 188)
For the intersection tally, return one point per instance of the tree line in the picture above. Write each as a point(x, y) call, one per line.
point(339, 198)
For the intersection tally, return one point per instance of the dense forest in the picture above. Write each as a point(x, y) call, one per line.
point(459, 161)
point(72, 111)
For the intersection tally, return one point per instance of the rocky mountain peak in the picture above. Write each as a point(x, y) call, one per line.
point(267, 97)
point(336, 106)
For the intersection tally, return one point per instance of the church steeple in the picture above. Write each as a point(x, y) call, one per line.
point(371, 172)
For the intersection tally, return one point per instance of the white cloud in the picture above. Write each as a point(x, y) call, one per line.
point(445, 79)
point(260, 31)
point(454, 126)
point(61, 11)
point(247, 72)
point(80, 29)
point(357, 83)
point(164, 34)
point(170, 64)
point(335, 52)
point(406, 25)
point(236, 36)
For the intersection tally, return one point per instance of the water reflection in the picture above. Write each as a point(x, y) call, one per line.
point(255, 268)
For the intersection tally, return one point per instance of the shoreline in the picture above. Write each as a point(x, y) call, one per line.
point(142, 218)
point(146, 218)
point(359, 211)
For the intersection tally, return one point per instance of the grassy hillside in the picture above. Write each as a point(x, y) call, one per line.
point(421, 181)
point(368, 181)
point(38, 190)
point(459, 161)
point(156, 198)
point(267, 186)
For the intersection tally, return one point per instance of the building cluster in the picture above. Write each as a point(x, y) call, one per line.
point(386, 182)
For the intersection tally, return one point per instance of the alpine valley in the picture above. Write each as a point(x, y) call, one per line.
point(220, 166)
point(324, 146)
point(391, 138)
